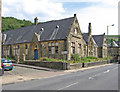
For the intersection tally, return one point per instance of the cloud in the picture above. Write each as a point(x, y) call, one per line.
point(100, 17)
point(101, 13)
point(44, 9)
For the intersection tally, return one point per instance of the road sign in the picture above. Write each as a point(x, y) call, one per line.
point(64, 52)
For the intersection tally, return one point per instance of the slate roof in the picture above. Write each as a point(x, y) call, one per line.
point(25, 34)
point(115, 44)
point(85, 37)
point(98, 39)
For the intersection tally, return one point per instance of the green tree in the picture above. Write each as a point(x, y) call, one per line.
point(9, 23)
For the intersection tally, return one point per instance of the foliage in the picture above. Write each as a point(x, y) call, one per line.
point(75, 57)
point(10, 58)
point(114, 37)
point(89, 57)
point(51, 59)
point(9, 23)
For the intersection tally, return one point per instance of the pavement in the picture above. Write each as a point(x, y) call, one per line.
point(40, 74)
point(101, 78)
point(34, 67)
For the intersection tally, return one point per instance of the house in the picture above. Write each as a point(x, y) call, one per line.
point(96, 44)
point(114, 48)
point(102, 45)
point(50, 39)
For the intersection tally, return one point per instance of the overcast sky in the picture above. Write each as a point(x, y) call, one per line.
point(99, 12)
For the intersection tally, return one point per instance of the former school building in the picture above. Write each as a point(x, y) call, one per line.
point(49, 39)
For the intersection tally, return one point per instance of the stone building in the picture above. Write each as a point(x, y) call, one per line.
point(49, 39)
point(96, 44)
point(114, 48)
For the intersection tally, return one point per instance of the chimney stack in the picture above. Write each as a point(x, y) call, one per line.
point(90, 29)
point(36, 21)
point(75, 15)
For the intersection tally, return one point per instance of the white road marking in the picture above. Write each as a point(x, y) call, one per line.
point(68, 86)
point(107, 71)
point(90, 78)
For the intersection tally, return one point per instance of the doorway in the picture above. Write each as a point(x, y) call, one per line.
point(35, 54)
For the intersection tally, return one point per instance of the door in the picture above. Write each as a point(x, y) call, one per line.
point(35, 54)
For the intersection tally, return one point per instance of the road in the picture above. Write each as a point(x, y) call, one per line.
point(101, 78)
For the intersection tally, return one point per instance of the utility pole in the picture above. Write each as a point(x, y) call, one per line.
point(107, 43)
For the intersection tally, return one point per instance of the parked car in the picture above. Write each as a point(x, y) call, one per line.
point(7, 64)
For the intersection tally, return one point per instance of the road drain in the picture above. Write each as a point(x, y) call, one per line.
point(20, 78)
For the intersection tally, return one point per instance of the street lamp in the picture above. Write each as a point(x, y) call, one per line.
point(107, 43)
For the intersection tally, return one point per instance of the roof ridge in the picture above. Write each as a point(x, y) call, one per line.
point(56, 20)
point(99, 35)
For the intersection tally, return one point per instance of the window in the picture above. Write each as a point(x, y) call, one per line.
point(53, 44)
point(16, 50)
point(26, 47)
point(6, 51)
point(36, 47)
point(73, 50)
point(53, 50)
point(84, 50)
point(79, 47)
point(56, 44)
point(49, 44)
point(56, 49)
point(53, 47)
point(73, 44)
point(73, 47)
point(75, 31)
point(49, 49)
point(26, 51)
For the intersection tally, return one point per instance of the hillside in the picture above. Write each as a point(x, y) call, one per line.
point(114, 37)
point(9, 23)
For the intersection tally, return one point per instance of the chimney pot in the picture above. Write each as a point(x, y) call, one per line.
point(75, 15)
point(36, 21)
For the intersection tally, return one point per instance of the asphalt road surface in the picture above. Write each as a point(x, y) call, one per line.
point(102, 78)
point(21, 71)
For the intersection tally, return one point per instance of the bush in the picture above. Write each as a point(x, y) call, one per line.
point(51, 59)
point(75, 57)
point(89, 57)
point(10, 58)
point(47, 59)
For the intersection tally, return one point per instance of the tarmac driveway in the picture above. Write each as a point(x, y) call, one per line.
point(21, 71)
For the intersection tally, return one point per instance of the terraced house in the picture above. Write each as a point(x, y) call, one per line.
point(49, 39)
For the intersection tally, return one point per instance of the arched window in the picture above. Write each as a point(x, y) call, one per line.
point(75, 31)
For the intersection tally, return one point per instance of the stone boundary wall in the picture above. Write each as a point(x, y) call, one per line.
point(89, 64)
point(62, 65)
point(47, 64)
point(75, 66)
point(95, 63)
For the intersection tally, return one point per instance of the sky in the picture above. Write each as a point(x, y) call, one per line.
point(101, 13)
